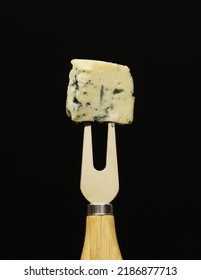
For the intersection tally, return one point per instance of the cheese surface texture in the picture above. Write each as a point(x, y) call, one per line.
point(100, 91)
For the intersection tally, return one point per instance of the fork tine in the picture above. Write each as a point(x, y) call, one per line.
point(87, 152)
point(87, 162)
point(111, 158)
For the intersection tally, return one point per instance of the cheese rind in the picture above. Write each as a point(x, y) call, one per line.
point(100, 91)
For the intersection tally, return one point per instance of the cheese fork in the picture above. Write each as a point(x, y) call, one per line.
point(100, 187)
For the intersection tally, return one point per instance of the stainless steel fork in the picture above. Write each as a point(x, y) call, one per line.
point(100, 187)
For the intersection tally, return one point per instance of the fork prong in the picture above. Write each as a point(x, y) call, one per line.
point(87, 168)
point(111, 158)
point(87, 152)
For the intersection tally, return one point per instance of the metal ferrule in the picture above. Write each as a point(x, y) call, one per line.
point(99, 209)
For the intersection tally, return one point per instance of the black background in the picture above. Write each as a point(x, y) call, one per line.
point(157, 210)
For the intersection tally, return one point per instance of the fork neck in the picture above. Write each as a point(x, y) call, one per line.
point(99, 209)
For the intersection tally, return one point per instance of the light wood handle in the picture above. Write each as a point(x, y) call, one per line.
point(100, 241)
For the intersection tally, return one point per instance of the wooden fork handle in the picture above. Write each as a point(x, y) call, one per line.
point(100, 241)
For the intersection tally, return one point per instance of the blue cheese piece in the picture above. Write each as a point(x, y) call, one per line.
point(100, 91)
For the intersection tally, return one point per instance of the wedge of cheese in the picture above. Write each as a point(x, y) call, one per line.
point(100, 91)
